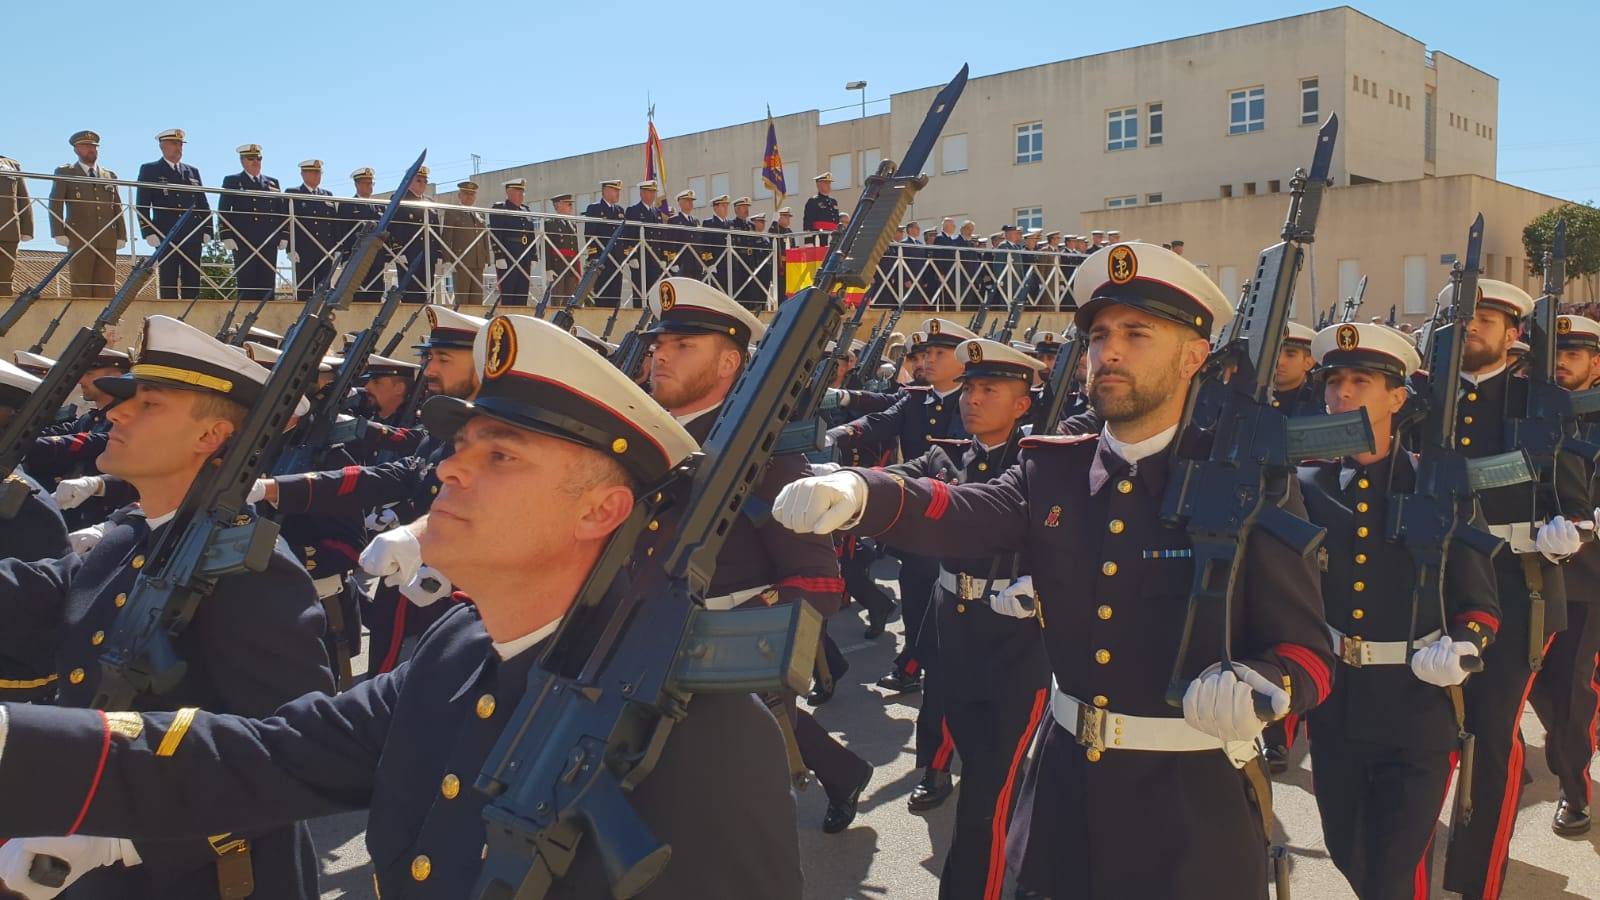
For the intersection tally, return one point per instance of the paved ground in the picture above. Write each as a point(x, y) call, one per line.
point(890, 852)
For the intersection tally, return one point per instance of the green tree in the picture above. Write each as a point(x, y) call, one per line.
point(216, 272)
point(1583, 243)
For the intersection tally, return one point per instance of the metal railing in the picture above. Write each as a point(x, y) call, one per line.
point(253, 244)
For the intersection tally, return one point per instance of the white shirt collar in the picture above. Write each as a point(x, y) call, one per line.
point(161, 520)
point(686, 418)
point(1132, 453)
point(1481, 378)
point(934, 395)
point(87, 169)
point(511, 648)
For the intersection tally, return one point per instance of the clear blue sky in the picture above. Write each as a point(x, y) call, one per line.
point(361, 83)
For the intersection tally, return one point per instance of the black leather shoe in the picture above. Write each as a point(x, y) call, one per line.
point(1571, 820)
point(820, 695)
point(1277, 759)
point(842, 813)
point(900, 682)
point(930, 791)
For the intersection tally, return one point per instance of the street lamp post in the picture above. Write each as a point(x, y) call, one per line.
point(862, 87)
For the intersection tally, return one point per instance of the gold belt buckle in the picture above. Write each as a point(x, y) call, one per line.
point(1352, 651)
point(964, 586)
point(1091, 730)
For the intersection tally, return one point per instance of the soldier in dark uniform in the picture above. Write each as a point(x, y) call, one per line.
point(701, 342)
point(644, 243)
point(159, 211)
point(608, 284)
point(252, 645)
point(714, 250)
point(514, 253)
point(386, 384)
point(1383, 743)
point(682, 253)
point(1478, 853)
point(781, 225)
point(562, 266)
point(1113, 584)
point(1005, 268)
point(822, 211)
point(746, 287)
point(351, 216)
point(315, 235)
point(1564, 693)
point(406, 745)
point(412, 231)
point(254, 228)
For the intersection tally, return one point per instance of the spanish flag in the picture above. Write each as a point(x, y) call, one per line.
point(801, 265)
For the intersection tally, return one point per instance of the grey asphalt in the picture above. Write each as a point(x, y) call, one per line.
point(891, 852)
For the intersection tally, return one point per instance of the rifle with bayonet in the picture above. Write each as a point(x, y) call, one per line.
point(563, 317)
point(630, 351)
point(1033, 329)
point(975, 325)
point(203, 542)
point(1030, 285)
point(40, 408)
point(1352, 304)
point(242, 333)
point(1223, 499)
point(604, 694)
point(28, 296)
point(397, 337)
point(866, 370)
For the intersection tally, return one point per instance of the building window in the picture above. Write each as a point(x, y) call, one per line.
point(1416, 278)
point(1119, 202)
point(1249, 188)
point(719, 184)
point(1247, 110)
point(1225, 191)
point(839, 166)
point(1355, 83)
point(1153, 199)
point(698, 185)
point(870, 158)
point(1030, 142)
point(758, 187)
point(955, 153)
point(1309, 98)
point(1228, 281)
point(1274, 186)
point(1155, 133)
point(1030, 217)
point(1122, 129)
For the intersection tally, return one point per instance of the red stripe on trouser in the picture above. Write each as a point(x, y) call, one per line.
point(398, 637)
point(1002, 804)
point(947, 746)
point(912, 667)
point(1419, 879)
point(1291, 724)
point(1501, 849)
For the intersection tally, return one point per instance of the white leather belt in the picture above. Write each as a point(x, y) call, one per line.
point(737, 598)
point(1520, 535)
point(328, 586)
point(1103, 729)
point(970, 587)
point(1357, 652)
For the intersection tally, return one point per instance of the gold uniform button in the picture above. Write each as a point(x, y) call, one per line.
point(1362, 506)
point(485, 706)
point(1100, 700)
point(450, 787)
point(1108, 568)
point(434, 489)
point(983, 467)
point(1363, 531)
point(1092, 754)
point(961, 607)
point(1363, 484)
point(1358, 614)
point(421, 867)
point(1275, 404)
point(938, 407)
point(138, 561)
point(1466, 420)
point(98, 638)
point(1472, 396)
point(1361, 559)
point(1359, 586)
point(1115, 526)
point(1124, 486)
point(1466, 442)
point(75, 676)
point(1102, 656)
point(1104, 612)
point(119, 600)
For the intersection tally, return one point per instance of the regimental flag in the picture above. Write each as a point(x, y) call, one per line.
point(655, 162)
point(772, 162)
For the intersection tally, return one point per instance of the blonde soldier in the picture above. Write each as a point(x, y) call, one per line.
point(466, 245)
point(16, 218)
point(83, 213)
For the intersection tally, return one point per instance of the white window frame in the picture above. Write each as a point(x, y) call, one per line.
point(1310, 86)
point(698, 185)
point(758, 188)
point(1118, 122)
point(720, 185)
point(839, 164)
point(1122, 202)
point(1416, 284)
point(870, 158)
point(1243, 97)
point(1155, 115)
point(1029, 130)
point(1027, 217)
point(955, 145)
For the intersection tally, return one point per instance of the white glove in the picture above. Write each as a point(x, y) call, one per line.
point(84, 539)
point(395, 554)
point(827, 468)
point(380, 521)
point(72, 492)
point(153, 240)
point(1557, 539)
point(62, 240)
point(294, 257)
point(1017, 601)
point(80, 852)
point(427, 587)
point(446, 270)
point(1439, 663)
point(821, 505)
point(121, 243)
point(258, 491)
point(401, 259)
point(832, 398)
point(500, 264)
point(231, 244)
point(1222, 704)
point(26, 238)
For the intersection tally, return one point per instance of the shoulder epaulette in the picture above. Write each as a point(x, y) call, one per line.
point(951, 442)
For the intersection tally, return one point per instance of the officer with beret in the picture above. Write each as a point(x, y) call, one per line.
point(464, 238)
point(514, 252)
point(1383, 743)
point(562, 266)
point(253, 644)
point(160, 208)
point(406, 745)
point(1112, 584)
point(822, 211)
point(86, 212)
point(351, 216)
point(608, 284)
point(254, 228)
point(315, 235)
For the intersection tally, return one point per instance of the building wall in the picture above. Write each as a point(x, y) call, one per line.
point(1423, 220)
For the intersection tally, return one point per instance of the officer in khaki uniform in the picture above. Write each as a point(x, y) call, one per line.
point(16, 218)
point(88, 213)
point(466, 245)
